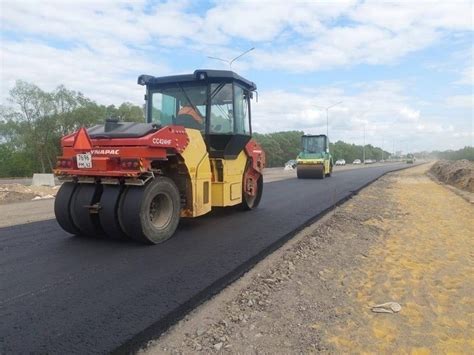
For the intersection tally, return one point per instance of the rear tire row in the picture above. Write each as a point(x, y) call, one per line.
point(147, 213)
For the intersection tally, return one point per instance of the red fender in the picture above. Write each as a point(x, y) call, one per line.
point(257, 163)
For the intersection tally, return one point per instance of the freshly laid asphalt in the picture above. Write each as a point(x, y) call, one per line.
point(63, 294)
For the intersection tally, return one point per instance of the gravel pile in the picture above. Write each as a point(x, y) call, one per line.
point(11, 193)
point(458, 173)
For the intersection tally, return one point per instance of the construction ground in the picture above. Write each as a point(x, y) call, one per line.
point(406, 239)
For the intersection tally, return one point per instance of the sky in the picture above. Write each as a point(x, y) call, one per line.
point(401, 71)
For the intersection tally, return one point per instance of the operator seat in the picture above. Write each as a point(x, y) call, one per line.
point(188, 121)
point(189, 117)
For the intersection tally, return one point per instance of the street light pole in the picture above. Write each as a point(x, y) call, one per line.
point(234, 59)
point(363, 149)
point(327, 122)
point(327, 114)
point(382, 147)
point(365, 124)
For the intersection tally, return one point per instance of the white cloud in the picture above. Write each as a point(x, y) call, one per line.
point(467, 76)
point(99, 47)
point(461, 101)
point(411, 115)
point(389, 116)
point(380, 33)
point(108, 76)
point(265, 21)
point(372, 32)
point(405, 14)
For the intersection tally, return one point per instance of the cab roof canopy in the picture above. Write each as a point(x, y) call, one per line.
point(206, 75)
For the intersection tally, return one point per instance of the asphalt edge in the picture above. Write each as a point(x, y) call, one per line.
point(137, 342)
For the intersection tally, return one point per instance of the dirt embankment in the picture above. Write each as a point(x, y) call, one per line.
point(458, 173)
point(10, 193)
point(403, 239)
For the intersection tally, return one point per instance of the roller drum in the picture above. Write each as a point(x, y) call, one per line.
point(310, 171)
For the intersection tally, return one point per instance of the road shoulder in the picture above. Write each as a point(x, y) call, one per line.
point(314, 293)
point(26, 212)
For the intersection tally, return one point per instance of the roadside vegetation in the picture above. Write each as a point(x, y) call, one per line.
point(464, 153)
point(283, 146)
point(34, 120)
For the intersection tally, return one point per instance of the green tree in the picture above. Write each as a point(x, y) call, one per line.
point(126, 112)
point(464, 153)
point(32, 125)
point(279, 146)
point(283, 146)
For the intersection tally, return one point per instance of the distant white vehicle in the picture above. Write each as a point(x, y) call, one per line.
point(340, 162)
point(357, 161)
point(290, 165)
point(369, 161)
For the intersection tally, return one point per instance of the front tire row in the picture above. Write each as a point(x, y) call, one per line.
point(147, 213)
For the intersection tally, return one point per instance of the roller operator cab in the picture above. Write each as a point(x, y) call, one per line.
point(314, 160)
point(194, 152)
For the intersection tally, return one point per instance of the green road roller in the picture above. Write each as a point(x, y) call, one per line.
point(314, 161)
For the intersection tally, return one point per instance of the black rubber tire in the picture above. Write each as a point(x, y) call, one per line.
point(108, 213)
point(159, 197)
point(62, 207)
point(84, 196)
point(252, 202)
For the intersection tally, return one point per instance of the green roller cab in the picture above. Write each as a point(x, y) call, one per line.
point(410, 159)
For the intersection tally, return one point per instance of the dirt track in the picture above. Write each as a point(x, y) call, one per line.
point(17, 205)
point(314, 294)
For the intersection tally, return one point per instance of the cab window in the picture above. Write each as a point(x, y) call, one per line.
point(183, 105)
point(222, 115)
point(241, 111)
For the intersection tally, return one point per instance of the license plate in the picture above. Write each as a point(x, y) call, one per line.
point(84, 161)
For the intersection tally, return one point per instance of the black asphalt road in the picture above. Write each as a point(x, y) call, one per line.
point(61, 294)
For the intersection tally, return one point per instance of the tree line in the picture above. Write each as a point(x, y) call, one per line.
point(463, 153)
point(280, 147)
point(33, 122)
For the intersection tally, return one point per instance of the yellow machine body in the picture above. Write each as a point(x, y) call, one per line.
point(197, 163)
point(214, 182)
point(228, 178)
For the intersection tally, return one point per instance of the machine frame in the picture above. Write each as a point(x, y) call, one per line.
point(129, 162)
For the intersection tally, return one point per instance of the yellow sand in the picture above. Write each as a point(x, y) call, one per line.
point(426, 264)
